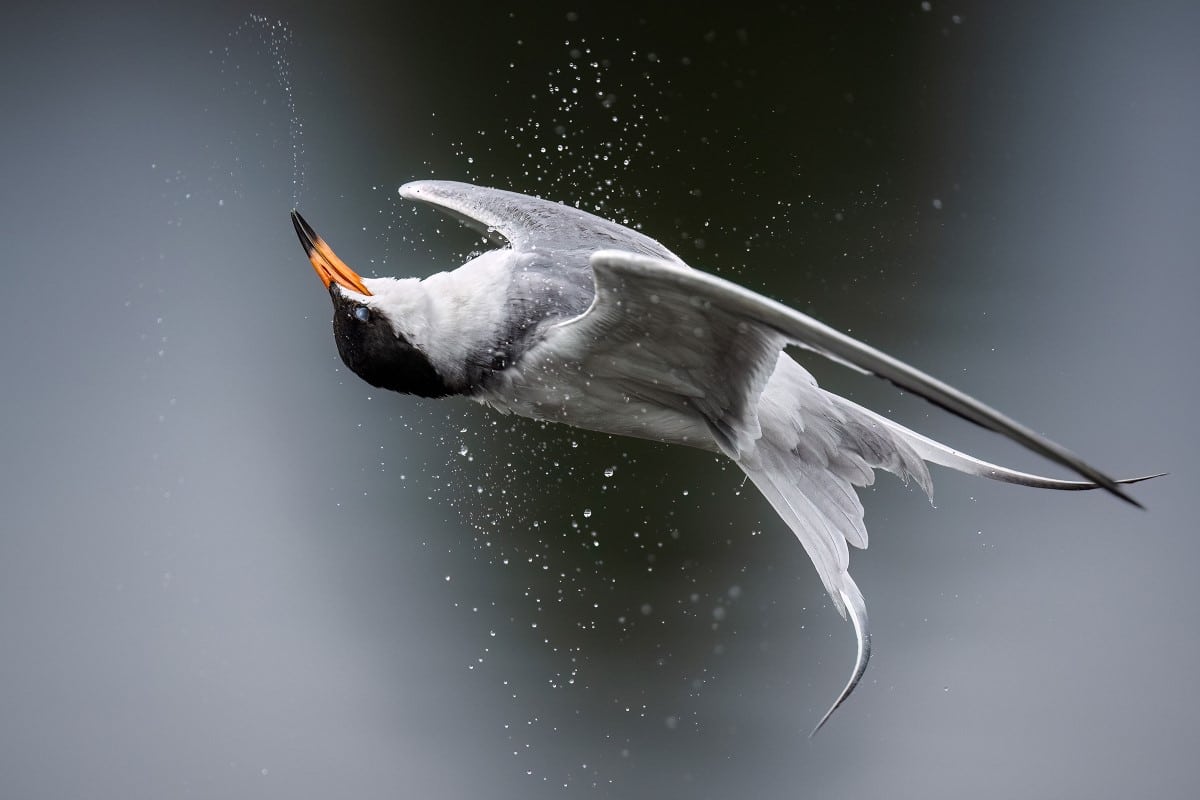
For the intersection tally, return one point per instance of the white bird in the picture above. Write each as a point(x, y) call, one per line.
point(583, 321)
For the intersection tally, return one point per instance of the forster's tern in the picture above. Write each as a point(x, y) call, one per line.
point(584, 321)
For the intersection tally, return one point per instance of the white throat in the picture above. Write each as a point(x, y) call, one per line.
point(452, 317)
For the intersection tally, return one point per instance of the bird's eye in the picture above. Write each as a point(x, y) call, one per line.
point(362, 313)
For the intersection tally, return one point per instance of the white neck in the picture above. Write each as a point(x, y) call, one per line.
point(452, 317)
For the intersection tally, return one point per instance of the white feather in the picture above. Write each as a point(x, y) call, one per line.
point(668, 353)
point(449, 316)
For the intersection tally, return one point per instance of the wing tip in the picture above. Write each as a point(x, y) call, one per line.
point(434, 186)
point(413, 189)
point(1114, 487)
point(1127, 481)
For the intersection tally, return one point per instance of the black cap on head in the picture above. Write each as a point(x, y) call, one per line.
point(376, 353)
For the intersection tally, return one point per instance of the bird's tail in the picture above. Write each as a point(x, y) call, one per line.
point(937, 453)
point(828, 551)
point(812, 454)
point(815, 449)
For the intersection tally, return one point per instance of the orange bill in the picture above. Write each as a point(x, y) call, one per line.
point(330, 269)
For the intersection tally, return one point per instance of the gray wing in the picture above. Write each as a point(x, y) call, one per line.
point(530, 223)
point(694, 342)
point(656, 305)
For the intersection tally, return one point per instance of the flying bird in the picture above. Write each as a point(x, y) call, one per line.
point(579, 320)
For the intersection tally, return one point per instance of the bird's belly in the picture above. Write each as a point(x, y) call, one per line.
point(560, 393)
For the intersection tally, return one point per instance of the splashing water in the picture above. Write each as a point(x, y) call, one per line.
point(583, 131)
point(274, 38)
point(589, 130)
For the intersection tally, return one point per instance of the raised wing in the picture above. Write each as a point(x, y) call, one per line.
point(628, 284)
point(530, 223)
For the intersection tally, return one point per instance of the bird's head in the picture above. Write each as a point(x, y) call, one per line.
point(365, 325)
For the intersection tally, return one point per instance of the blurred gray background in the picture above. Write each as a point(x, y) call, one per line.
point(228, 568)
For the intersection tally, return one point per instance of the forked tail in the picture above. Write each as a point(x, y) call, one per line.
point(856, 608)
point(937, 453)
point(815, 449)
point(824, 539)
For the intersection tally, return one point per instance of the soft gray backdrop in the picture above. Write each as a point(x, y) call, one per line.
point(228, 568)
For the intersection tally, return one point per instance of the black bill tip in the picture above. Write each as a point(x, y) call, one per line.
point(308, 237)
